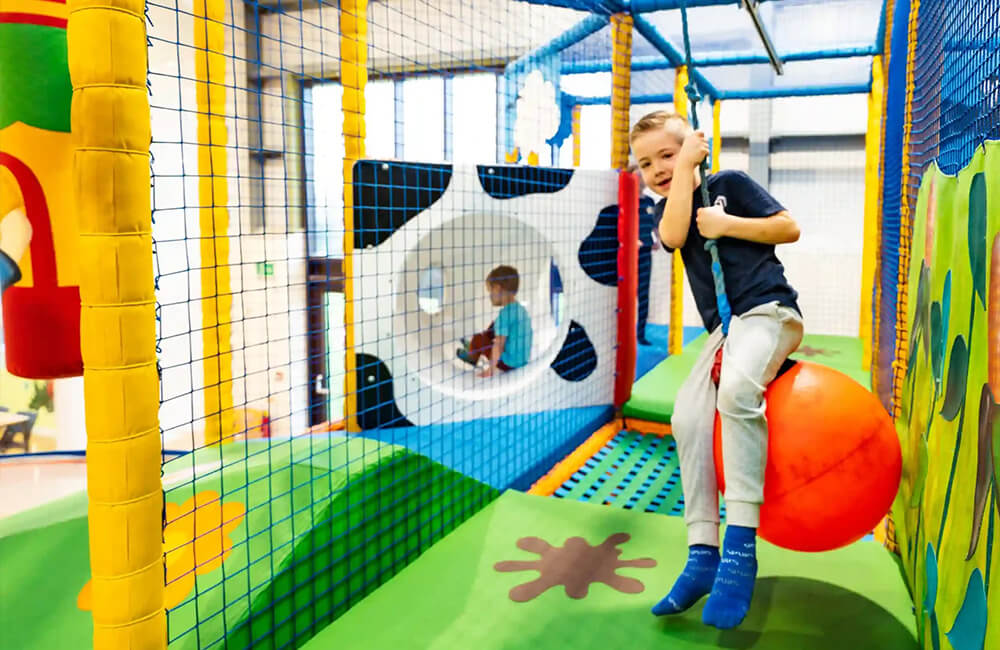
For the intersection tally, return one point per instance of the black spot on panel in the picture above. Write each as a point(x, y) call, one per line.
point(507, 182)
point(577, 359)
point(598, 253)
point(376, 401)
point(388, 194)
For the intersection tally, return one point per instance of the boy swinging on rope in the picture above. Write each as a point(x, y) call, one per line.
point(766, 327)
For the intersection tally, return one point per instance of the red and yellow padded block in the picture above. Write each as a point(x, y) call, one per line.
point(38, 229)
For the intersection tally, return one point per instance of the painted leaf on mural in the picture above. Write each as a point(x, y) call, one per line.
point(984, 464)
point(969, 630)
point(958, 375)
point(930, 594)
point(977, 236)
point(922, 460)
point(945, 322)
point(937, 342)
point(919, 325)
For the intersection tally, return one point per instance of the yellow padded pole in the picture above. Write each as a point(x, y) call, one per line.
point(621, 88)
point(213, 199)
point(680, 95)
point(873, 187)
point(716, 134)
point(111, 127)
point(353, 78)
point(576, 136)
point(675, 337)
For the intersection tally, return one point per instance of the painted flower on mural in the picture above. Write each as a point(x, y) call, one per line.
point(576, 566)
point(196, 541)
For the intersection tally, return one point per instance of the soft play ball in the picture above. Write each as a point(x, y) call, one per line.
point(833, 460)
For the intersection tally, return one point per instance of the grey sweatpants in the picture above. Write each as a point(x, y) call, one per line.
point(759, 341)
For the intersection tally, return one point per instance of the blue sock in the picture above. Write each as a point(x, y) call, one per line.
point(694, 582)
point(729, 601)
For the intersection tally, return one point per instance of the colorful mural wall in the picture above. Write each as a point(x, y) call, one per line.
point(947, 513)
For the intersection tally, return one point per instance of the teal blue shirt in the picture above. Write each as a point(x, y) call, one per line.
point(514, 322)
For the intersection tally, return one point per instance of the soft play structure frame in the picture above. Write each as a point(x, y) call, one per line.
point(413, 508)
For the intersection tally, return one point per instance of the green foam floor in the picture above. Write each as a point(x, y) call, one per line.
point(306, 549)
point(654, 394)
point(454, 597)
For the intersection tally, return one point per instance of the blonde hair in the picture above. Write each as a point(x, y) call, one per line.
point(674, 123)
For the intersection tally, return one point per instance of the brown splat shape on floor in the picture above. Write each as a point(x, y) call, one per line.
point(810, 351)
point(576, 566)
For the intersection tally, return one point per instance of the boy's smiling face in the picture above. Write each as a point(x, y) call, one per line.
point(656, 154)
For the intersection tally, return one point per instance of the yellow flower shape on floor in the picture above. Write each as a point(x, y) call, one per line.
point(195, 542)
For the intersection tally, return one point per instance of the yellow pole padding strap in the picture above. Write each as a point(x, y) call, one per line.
point(873, 187)
point(353, 78)
point(576, 136)
point(111, 129)
point(621, 88)
point(675, 337)
point(213, 199)
point(680, 95)
point(716, 134)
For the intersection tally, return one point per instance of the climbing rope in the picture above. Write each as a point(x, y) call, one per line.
point(721, 299)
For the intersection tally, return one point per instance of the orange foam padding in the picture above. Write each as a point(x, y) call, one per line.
point(833, 460)
point(328, 426)
point(628, 285)
point(548, 484)
point(647, 427)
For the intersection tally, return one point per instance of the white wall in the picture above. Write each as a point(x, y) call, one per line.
point(268, 314)
point(824, 191)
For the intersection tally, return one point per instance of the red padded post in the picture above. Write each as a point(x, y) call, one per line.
point(628, 284)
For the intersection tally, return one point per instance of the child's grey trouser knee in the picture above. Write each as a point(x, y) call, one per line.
point(759, 341)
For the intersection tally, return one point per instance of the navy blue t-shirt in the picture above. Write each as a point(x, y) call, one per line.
point(754, 275)
point(647, 222)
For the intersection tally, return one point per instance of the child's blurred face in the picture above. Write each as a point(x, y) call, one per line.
point(656, 154)
point(497, 294)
